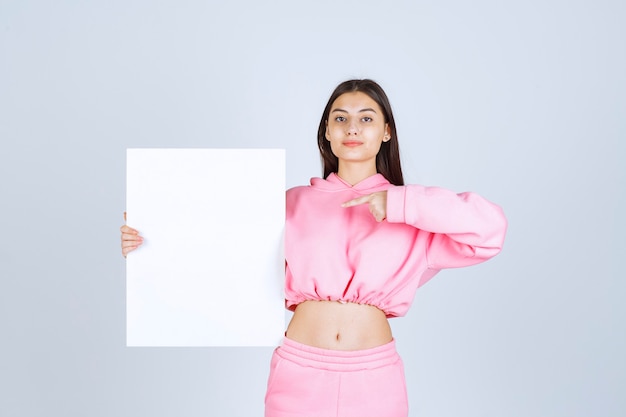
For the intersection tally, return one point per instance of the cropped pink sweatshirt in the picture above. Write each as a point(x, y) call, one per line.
point(343, 254)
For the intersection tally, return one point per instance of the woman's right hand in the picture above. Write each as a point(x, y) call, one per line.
point(130, 239)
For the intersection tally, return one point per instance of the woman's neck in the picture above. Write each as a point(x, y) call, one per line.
point(355, 173)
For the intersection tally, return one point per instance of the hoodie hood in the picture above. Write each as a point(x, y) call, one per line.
point(335, 183)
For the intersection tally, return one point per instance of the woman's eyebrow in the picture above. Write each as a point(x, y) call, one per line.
point(360, 111)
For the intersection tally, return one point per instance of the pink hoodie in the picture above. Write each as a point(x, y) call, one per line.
point(344, 254)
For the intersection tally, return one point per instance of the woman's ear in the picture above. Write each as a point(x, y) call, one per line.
point(326, 134)
point(387, 136)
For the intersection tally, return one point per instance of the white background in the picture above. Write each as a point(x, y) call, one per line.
point(523, 102)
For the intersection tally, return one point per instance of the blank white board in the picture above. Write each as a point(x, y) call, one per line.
point(211, 269)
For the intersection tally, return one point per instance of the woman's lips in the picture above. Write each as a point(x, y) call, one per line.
point(351, 143)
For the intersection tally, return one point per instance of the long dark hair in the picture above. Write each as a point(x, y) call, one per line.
point(388, 158)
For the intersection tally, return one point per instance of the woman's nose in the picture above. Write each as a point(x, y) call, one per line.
point(352, 129)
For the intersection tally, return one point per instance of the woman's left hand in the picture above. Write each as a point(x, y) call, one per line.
point(377, 204)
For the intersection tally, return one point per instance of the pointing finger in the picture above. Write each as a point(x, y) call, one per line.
point(357, 201)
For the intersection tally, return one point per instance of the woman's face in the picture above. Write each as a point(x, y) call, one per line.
point(356, 128)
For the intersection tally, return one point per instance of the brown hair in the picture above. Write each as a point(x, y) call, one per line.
point(388, 158)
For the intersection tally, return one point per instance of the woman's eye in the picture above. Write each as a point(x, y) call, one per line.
point(366, 119)
point(340, 119)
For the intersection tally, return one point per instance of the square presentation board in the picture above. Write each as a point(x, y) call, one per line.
point(211, 269)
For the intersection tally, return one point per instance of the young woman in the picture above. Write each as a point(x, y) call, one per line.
point(358, 243)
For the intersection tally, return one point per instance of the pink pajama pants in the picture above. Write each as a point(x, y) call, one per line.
point(313, 382)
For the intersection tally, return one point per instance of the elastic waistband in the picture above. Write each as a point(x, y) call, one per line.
point(338, 360)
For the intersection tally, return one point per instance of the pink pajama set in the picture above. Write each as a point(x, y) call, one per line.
point(343, 254)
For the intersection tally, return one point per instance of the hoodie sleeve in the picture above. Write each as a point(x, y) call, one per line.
point(464, 228)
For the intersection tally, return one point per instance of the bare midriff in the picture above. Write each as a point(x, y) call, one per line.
point(339, 326)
